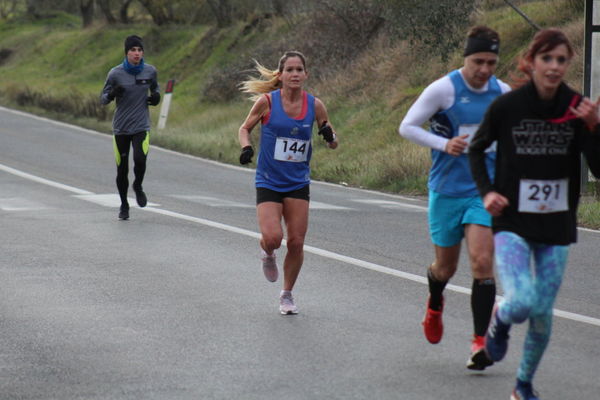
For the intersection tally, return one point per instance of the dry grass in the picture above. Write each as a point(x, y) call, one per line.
point(588, 213)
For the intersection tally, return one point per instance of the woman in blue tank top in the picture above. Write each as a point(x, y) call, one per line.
point(286, 113)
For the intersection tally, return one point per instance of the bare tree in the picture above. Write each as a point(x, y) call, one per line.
point(278, 6)
point(123, 9)
point(8, 7)
point(361, 18)
point(105, 8)
point(440, 26)
point(222, 11)
point(158, 10)
point(87, 12)
point(32, 7)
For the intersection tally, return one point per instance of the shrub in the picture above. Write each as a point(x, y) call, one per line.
point(75, 103)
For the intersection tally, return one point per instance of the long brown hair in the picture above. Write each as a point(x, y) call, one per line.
point(544, 40)
point(268, 79)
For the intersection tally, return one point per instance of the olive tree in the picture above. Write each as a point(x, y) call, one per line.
point(438, 25)
point(9, 8)
point(161, 11)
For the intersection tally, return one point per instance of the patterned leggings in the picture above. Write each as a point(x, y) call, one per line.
point(529, 294)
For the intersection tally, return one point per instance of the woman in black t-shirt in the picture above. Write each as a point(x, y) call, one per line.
point(541, 129)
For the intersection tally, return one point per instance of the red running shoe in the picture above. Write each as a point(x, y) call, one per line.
point(479, 359)
point(433, 327)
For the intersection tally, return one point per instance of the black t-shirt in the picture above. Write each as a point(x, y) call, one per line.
point(538, 164)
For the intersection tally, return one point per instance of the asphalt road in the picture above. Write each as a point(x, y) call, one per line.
point(172, 304)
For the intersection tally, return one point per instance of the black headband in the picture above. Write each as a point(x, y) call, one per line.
point(478, 45)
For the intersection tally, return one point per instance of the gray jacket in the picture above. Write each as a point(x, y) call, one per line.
point(131, 115)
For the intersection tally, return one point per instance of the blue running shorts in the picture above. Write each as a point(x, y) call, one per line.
point(448, 215)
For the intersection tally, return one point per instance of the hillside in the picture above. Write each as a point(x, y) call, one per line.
point(53, 67)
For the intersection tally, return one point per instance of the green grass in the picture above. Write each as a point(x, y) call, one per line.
point(588, 213)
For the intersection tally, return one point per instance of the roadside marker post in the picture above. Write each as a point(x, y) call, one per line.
point(166, 103)
point(591, 68)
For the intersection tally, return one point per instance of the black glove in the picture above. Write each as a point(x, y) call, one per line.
point(246, 156)
point(153, 99)
point(327, 133)
point(116, 91)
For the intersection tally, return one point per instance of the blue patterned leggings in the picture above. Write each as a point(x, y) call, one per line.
point(529, 295)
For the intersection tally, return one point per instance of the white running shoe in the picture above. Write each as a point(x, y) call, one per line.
point(286, 304)
point(269, 264)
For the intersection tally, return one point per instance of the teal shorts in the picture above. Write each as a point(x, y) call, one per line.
point(448, 215)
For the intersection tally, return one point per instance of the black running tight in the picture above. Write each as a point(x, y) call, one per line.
point(122, 143)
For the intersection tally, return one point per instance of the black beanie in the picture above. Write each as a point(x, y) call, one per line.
point(133, 41)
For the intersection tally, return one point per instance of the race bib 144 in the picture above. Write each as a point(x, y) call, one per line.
point(292, 150)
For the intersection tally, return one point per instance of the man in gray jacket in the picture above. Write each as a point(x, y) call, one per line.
point(134, 86)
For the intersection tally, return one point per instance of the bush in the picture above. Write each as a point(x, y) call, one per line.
point(75, 104)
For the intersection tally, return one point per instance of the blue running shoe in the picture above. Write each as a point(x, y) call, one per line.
point(496, 338)
point(524, 391)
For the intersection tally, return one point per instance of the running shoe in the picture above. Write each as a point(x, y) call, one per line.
point(140, 197)
point(524, 391)
point(496, 338)
point(269, 264)
point(479, 359)
point(286, 304)
point(124, 212)
point(433, 327)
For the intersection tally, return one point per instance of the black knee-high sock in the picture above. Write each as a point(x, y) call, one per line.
point(483, 296)
point(436, 288)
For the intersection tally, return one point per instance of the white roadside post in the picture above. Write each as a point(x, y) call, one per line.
point(591, 68)
point(166, 103)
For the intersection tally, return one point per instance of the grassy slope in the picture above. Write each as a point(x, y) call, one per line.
point(366, 101)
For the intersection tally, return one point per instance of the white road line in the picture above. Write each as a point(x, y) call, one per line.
point(229, 166)
point(42, 180)
point(213, 201)
point(309, 249)
point(314, 250)
point(20, 204)
point(109, 200)
point(108, 136)
point(317, 205)
point(588, 230)
point(205, 222)
point(390, 204)
point(354, 261)
point(216, 202)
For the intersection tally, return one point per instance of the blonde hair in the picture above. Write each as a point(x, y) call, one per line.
point(268, 79)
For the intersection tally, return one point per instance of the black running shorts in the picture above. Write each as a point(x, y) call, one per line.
point(264, 194)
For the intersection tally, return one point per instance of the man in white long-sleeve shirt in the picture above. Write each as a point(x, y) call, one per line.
point(454, 106)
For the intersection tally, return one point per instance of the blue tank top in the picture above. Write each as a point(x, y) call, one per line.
point(285, 147)
point(451, 175)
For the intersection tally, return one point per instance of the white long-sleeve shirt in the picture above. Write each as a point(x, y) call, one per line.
point(438, 96)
